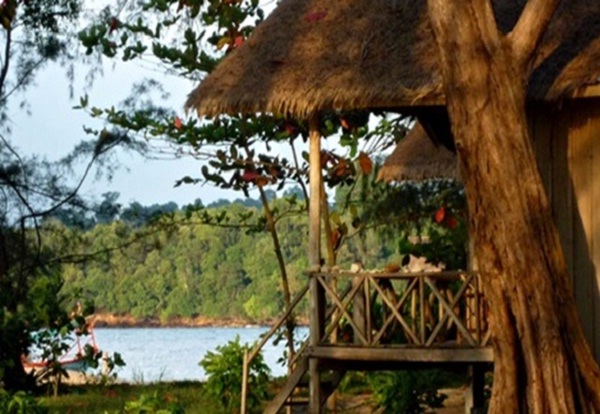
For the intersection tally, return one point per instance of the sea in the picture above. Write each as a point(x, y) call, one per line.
point(173, 354)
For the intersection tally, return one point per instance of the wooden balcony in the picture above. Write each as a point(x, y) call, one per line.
point(397, 318)
point(384, 321)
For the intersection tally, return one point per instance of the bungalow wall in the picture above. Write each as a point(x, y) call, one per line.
point(566, 139)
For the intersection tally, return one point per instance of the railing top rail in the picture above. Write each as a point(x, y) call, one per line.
point(279, 323)
point(449, 275)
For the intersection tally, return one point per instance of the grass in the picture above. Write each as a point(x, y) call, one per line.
point(91, 399)
point(189, 395)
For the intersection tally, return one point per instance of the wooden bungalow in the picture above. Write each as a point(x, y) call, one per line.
point(311, 56)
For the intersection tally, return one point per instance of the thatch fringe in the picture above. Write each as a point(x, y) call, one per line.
point(417, 158)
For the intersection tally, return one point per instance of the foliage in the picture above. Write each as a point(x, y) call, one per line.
point(110, 363)
point(224, 370)
point(153, 404)
point(54, 343)
point(217, 262)
point(112, 398)
point(26, 308)
point(424, 219)
point(214, 262)
point(19, 403)
point(410, 391)
point(34, 33)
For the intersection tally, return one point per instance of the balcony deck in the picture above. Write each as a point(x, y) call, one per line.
point(385, 321)
point(399, 317)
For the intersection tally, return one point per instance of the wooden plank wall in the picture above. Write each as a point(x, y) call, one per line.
point(567, 144)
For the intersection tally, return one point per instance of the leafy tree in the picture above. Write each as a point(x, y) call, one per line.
point(183, 267)
point(424, 219)
point(19, 403)
point(237, 152)
point(34, 33)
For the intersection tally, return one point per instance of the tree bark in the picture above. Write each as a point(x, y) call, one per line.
point(542, 361)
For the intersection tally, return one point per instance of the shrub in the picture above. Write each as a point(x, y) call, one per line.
point(407, 392)
point(19, 403)
point(224, 371)
point(153, 404)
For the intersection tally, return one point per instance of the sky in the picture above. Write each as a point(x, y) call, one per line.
point(50, 128)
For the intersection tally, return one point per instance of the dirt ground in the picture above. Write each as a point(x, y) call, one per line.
point(361, 404)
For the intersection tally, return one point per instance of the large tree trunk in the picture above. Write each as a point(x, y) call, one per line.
point(542, 361)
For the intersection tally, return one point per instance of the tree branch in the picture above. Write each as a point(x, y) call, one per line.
point(530, 28)
point(297, 165)
point(20, 82)
point(4, 71)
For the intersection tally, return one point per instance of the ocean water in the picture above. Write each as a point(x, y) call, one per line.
point(173, 354)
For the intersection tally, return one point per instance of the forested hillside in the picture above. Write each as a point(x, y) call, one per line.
point(175, 266)
point(219, 261)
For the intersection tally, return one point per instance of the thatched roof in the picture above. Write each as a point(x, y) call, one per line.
point(417, 158)
point(355, 54)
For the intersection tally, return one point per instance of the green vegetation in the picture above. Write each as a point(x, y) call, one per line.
point(34, 34)
point(219, 262)
point(409, 392)
point(238, 259)
point(224, 368)
point(177, 397)
point(19, 403)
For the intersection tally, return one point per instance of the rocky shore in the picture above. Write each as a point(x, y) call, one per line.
point(128, 321)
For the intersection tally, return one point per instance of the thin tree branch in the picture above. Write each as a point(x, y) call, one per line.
point(20, 82)
point(75, 190)
point(297, 165)
point(14, 152)
point(6, 65)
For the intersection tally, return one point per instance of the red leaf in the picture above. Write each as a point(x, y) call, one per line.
point(238, 41)
point(366, 165)
point(261, 181)
point(440, 214)
point(290, 129)
point(178, 123)
point(450, 222)
point(345, 124)
point(249, 176)
point(336, 239)
point(114, 23)
point(341, 169)
point(315, 16)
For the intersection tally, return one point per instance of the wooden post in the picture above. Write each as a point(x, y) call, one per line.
point(359, 310)
point(314, 259)
point(474, 394)
point(244, 383)
point(331, 262)
point(422, 308)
